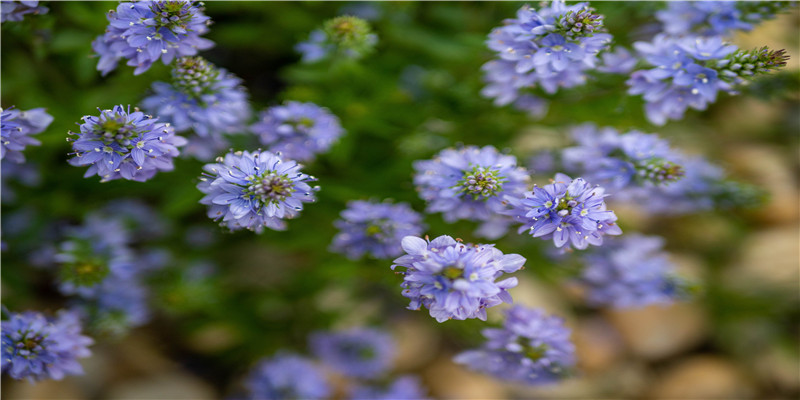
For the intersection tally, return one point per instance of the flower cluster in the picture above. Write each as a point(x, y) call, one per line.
point(689, 72)
point(469, 183)
point(629, 272)
point(125, 144)
point(98, 265)
point(374, 228)
point(714, 18)
point(145, 31)
point(347, 36)
point(617, 161)
point(531, 348)
point(455, 280)
point(287, 376)
point(571, 212)
point(404, 387)
point(16, 10)
point(362, 353)
point(551, 48)
point(38, 347)
point(202, 98)
point(16, 130)
point(298, 130)
point(255, 190)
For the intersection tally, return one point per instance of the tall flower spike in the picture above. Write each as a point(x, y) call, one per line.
point(570, 212)
point(37, 347)
point(531, 348)
point(298, 130)
point(145, 31)
point(255, 190)
point(124, 144)
point(469, 183)
point(16, 128)
point(375, 229)
point(630, 272)
point(287, 376)
point(455, 280)
point(360, 352)
point(346, 36)
point(204, 99)
point(551, 47)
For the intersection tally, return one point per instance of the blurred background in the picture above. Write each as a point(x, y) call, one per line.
point(225, 300)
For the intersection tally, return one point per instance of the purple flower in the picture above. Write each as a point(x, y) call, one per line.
point(37, 347)
point(571, 212)
point(345, 36)
point(17, 126)
point(129, 145)
point(298, 130)
point(316, 47)
point(455, 280)
point(254, 190)
point(551, 47)
point(619, 61)
point(375, 228)
point(16, 10)
point(361, 352)
point(287, 376)
point(531, 348)
point(145, 31)
point(207, 100)
point(469, 183)
point(712, 18)
point(629, 272)
point(403, 388)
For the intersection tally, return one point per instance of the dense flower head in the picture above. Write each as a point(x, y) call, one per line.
point(287, 376)
point(202, 98)
point(145, 31)
point(713, 18)
point(17, 126)
point(403, 388)
point(360, 352)
point(619, 61)
point(631, 271)
point(455, 280)
point(298, 130)
point(124, 144)
point(16, 10)
point(376, 229)
point(345, 36)
point(531, 348)
point(37, 347)
point(688, 72)
point(469, 182)
point(255, 190)
point(551, 47)
point(616, 161)
point(572, 212)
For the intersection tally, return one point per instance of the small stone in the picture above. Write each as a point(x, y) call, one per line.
point(174, 385)
point(703, 377)
point(598, 345)
point(768, 259)
point(448, 380)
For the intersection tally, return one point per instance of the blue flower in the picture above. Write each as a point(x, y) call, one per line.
point(375, 228)
point(455, 280)
point(129, 145)
point(712, 18)
point(347, 36)
point(629, 272)
point(571, 212)
point(37, 347)
point(405, 387)
point(531, 348)
point(618, 161)
point(360, 352)
point(298, 130)
point(619, 61)
point(17, 126)
point(145, 31)
point(16, 10)
point(255, 190)
point(209, 101)
point(287, 376)
point(551, 47)
point(316, 47)
point(469, 183)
